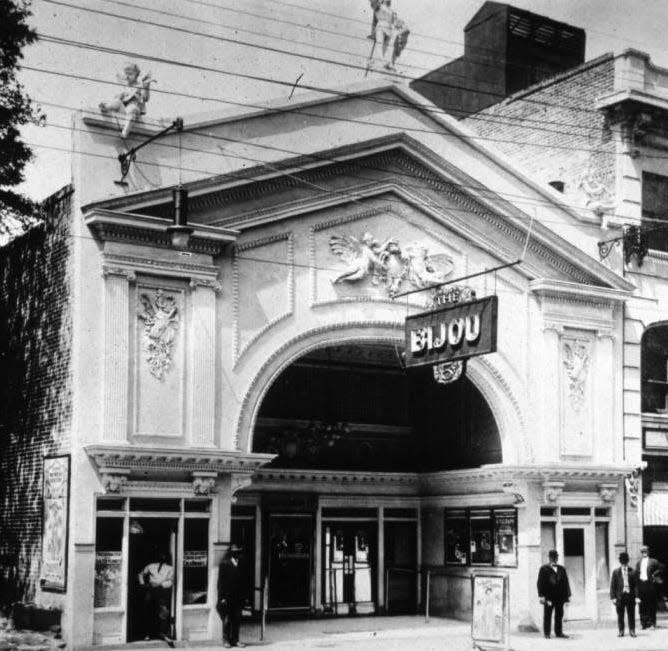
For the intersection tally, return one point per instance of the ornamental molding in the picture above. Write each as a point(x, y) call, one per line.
point(131, 266)
point(552, 491)
point(632, 483)
point(206, 283)
point(123, 272)
point(204, 483)
point(141, 458)
point(608, 492)
point(113, 479)
point(239, 482)
point(135, 228)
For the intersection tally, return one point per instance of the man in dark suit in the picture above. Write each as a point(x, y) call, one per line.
point(553, 592)
point(623, 592)
point(232, 594)
point(650, 575)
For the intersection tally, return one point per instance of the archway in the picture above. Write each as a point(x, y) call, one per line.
point(352, 406)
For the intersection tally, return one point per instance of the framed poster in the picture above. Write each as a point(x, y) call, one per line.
point(490, 625)
point(55, 522)
point(505, 538)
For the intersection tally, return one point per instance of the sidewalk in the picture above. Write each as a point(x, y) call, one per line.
point(388, 633)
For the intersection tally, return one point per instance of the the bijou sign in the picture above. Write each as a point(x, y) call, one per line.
point(452, 333)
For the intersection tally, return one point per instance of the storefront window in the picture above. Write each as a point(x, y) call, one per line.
point(195, 560)
point(108, 562)
point(456, 537)
point(481, 537)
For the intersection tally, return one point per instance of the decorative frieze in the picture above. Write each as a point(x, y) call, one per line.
point(576, 357)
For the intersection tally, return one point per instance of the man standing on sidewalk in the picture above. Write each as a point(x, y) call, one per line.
point(623, 592)
point(649, 572)
point(232, 594)
point(553, 592)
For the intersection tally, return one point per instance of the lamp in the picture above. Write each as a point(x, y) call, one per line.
point(180, 232)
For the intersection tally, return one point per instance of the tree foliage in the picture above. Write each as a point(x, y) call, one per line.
point(16, 110)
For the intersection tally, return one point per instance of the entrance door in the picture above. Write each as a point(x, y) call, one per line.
point(290, 539)
point(574, 562)
point(149, 539)
point(349, 567)
point(400, 567)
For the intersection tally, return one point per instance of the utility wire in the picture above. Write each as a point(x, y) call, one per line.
point(362, 68)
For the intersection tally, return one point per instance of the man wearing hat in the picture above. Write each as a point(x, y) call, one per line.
point(649, 572)
point(232, 594)
point(623, 592)
point(553, 592)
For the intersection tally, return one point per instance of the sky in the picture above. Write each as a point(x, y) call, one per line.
point(197, 52)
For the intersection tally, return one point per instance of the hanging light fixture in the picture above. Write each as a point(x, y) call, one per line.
point(180, 232)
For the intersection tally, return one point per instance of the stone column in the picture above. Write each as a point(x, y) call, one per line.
point(202, 368)
point(78, 625)
point(116, 353)
point(381, 559)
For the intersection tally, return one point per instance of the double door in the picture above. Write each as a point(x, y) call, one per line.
point(349, 567)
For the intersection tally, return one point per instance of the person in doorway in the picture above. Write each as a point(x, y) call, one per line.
point(650, 576)
point(553, 592)
point(232, 595)
point(157, 579)
point(623, 592)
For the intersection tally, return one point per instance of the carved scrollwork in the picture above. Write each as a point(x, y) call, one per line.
point(552, 490)
point(216, 285)
point(114, 479)
point(237, 482)
point(160, 314)
point(607, 492)
point(204, 483)
point(632, 481)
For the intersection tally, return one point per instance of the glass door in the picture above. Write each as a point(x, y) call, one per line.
point(349, 567)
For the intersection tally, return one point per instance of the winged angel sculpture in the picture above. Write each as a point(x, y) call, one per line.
point(161, 320)
point(387, 263)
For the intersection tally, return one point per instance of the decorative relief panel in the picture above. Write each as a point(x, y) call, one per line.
point(160, 315)
point(159, 361)
point(373, 255)
point(577, 427)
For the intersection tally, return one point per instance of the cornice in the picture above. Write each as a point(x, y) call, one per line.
point(135, 228)
point(200, 274)
point(182, 459)
point(573, 292)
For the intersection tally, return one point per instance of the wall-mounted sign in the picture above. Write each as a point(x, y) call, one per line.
point(55, 523)
point(455, 332)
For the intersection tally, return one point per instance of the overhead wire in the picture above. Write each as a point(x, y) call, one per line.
point(269, 49)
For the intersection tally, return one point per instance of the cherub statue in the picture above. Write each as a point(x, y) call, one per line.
point(132, 101)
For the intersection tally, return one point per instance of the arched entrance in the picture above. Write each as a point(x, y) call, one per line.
point(340, 504)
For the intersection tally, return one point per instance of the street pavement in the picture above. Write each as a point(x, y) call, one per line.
point(413, 634)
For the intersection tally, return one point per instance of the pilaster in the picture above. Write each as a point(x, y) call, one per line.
point(202, 364)
point(116, 352)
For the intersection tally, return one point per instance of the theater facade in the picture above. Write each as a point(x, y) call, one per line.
point(250, 385)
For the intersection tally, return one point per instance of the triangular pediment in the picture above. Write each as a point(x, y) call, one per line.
point(397, 174)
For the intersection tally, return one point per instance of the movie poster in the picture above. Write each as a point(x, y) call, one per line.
point(489, 621)
point(54, 523)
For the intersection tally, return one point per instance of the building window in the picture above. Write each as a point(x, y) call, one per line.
point(654, 203)
point(108, 563)
point(654, 366)
point(195, 560)
point(486, 537)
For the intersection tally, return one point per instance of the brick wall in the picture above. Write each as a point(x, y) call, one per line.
point(553, 129)
point(35, 351)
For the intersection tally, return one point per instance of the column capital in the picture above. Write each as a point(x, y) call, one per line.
point(114, 479)
point(124, 272)
point(209, 283)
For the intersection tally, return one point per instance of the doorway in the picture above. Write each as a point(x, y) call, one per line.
point(574, 562)
point(400, 568)
point(149, 538)
point(349, 567)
